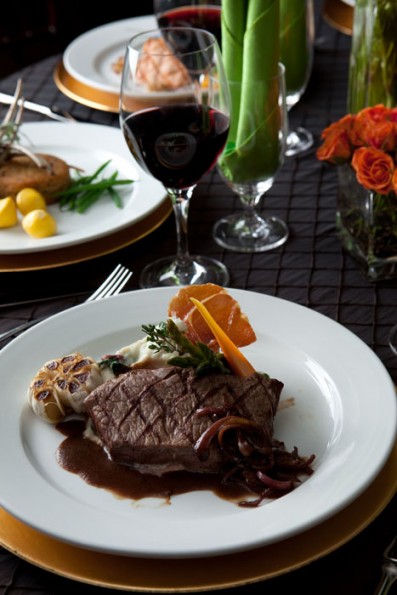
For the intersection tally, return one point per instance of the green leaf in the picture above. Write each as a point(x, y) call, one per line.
point(167, 337)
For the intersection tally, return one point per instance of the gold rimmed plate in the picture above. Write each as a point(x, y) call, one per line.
point(83, 93)
point(88, 147)
point(90, 69)
point(221, 572)
point(333, 387)
point(339, 14)
point(87, 250)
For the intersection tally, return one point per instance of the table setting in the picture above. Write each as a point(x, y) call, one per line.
point(272, 224)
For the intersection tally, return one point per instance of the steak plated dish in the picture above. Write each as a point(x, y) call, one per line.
point(180, 409)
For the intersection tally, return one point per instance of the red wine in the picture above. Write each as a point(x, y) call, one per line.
point(203, 17)
point(177, 144)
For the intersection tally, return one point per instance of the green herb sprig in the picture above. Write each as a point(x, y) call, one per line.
point(167, 337)
point(116, 363)
point(84, 191)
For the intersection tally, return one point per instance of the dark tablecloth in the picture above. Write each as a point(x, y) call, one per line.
point(310, 269)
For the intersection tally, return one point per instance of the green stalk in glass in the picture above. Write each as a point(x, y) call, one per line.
point(296, 53)
point(373, 56)
point(255, 148)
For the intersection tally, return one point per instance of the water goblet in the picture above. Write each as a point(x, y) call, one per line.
point(254, 154)
point(296, 53)
point(174, 113)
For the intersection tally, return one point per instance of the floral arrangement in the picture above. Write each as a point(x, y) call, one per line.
point(365, 146)
point(368, 142)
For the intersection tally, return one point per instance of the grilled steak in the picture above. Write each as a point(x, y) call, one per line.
point(152, 419)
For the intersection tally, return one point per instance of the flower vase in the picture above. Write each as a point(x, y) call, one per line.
point(373, 56)
point(367, 226)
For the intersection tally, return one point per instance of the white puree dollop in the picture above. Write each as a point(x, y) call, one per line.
point(139, 355)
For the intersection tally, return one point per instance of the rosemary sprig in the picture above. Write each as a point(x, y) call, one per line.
point(84, 191)
point(167, 337)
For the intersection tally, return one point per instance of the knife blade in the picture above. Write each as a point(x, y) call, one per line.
point(6, 99)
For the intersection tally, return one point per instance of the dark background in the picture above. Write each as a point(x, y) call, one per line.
point(31, 30)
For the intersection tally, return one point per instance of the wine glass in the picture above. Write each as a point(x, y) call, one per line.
point(202, 14)
point(174, 113)
point(296, 53)
point(250, 162)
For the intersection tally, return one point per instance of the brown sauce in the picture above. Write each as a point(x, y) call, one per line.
point(87, 459)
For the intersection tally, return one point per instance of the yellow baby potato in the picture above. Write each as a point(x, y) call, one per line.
point(8, 212)
point(29, 199)
point(39, 224)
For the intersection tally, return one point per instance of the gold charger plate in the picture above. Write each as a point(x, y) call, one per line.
point(339, 15)
point(82, 93)
point(170, 575)
point(87, 250)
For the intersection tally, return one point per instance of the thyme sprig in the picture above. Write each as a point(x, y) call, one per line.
point(84, 191)
point(167, 337)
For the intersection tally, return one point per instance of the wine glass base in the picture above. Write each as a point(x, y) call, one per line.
point(393, 339)
point(298, 141)
point(234, 233)
point(168, 272)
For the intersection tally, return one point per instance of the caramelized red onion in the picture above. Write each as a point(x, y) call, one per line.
point(249, 463)
point(218, 428)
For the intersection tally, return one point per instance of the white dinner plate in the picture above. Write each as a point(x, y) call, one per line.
point(90, 57)
point(344, 412)
point(86, 146)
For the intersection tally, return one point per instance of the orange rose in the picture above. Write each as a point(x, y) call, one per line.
point(393, 114)
point(394, 181)
point(374, 169)
point(344, 124)
point(374, 114)
point(335, 148)
point(381, 134)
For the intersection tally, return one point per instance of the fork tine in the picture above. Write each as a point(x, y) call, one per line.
point(117, 285)
point(103, 286)
point(114, 283)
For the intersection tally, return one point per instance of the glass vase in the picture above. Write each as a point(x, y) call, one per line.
point(373, 56)
point(367, 226)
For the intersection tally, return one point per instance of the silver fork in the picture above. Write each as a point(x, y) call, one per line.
point(389, 569)
point(112, 285)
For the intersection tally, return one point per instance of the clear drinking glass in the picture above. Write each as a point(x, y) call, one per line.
point(296, 53)
point(174, 113)
point(253, 156)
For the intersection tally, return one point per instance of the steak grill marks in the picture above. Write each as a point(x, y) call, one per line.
point(149, 417)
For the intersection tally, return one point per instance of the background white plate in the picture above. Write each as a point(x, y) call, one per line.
point(86, 146)
point(344, 413)
point(89, 58)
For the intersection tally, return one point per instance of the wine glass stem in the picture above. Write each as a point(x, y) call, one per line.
point(250, 200)
point(180, 203)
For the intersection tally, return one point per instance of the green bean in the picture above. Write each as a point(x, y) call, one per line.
point(84, 191)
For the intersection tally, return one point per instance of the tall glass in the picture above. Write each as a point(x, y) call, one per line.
point(253, 156)
point(296, 53)
point(174, 113)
